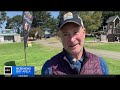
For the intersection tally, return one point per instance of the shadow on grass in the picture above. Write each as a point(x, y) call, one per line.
point(10, 63)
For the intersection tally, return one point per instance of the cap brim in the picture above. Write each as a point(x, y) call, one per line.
point(68, 22)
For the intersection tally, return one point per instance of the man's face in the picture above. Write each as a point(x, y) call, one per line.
point(72, 37)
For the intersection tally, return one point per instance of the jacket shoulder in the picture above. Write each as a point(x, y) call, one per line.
point(104, 66)
point(101, 61)
point(46, 69)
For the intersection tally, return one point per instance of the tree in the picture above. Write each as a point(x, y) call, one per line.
point(36, 31)
point(32, 32)
point(92, 20)
point(43, 19)
point(15, 23)
point(3, 17)
point(52, 24)
point(40, 18)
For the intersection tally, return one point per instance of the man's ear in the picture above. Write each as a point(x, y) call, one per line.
point(84, 31)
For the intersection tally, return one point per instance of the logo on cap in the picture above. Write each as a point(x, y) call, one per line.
point(68, 15)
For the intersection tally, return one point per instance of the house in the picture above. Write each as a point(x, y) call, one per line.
point(47, 33)
point(111, 29)
point(9, 35)
point(112, 22)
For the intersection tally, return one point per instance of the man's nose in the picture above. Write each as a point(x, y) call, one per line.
point(72, 38)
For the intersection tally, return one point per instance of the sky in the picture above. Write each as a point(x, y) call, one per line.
point(14, 13)
point(55, 13)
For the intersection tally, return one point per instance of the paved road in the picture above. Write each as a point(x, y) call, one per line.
point(102, 53)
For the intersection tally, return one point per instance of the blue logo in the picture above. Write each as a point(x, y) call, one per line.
point(22, 71)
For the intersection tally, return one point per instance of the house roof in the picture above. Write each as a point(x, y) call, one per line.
point(7, 30)
point(112, 18)
point(10, 34)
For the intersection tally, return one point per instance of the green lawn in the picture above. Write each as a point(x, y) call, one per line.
point(90, 39)
point(104, 46)
point(37, 55)
point(113, 66)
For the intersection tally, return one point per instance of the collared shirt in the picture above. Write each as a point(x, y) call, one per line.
point(75, 64)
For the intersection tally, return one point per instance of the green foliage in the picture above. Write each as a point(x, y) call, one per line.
point(92, 20)
point(15, 23)
point(34, 30)
point(40, 18)
point(3, 17)
point(107, 14)
point(52, 24)
point(44, 20)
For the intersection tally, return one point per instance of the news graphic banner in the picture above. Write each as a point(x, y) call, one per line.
point(19, 71)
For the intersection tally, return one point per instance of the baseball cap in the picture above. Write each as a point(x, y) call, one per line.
point(70, 17)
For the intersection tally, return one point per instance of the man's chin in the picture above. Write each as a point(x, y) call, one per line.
point(74, 52)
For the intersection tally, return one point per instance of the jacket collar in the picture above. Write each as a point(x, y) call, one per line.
point(70, 59)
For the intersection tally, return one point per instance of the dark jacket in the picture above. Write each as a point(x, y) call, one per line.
point(62, 64)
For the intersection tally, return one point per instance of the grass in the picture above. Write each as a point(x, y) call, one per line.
point(104, 46)
point(90, 39)
point(37, 55)
point(113, 66)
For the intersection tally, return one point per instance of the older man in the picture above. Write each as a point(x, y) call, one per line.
point(73, 59)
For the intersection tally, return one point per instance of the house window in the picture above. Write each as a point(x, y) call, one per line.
point(8, 38)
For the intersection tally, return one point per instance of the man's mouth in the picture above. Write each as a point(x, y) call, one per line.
point(73, 45)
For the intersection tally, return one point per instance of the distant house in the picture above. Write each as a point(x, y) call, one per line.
point(8, 35)
point(112, 22)
point(47, 33)
point(111, 29)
